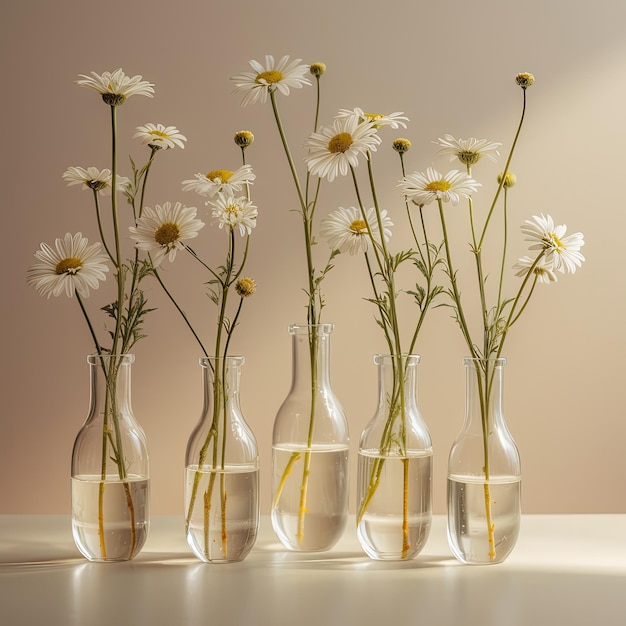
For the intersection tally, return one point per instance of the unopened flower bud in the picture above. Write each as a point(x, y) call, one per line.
point(317, 69)
point(509, 180)
point(401, 145)
point(245, 287)
point(244, 138)
point(524, 80)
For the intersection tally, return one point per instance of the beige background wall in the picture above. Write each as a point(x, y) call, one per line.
point(449, 65)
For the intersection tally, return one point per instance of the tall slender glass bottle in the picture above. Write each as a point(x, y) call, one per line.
point(484, 473)
point(110, 480)
point(221, 470)
point(394, 497)
point(310, 450)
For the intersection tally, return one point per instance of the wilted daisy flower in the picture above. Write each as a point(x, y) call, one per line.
point(282, 76)
point(561, 253)
point(245, 287)
point(424, 188)
point(347, 231)
point(317, 69)
point(162, 230)
point(221, 181)
point(159, 136)
point(395, 120)
point(115, 86)
point(468, 151)
point(92, 178)
point(71, 266)
point(509, 180)
point(541, 270)
point(231, 211)
point(336, 147)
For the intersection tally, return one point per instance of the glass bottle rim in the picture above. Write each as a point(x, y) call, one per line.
point(124, 359)
point(410, 359)
point(304, 329)
point(494, 361)
point(233, 361)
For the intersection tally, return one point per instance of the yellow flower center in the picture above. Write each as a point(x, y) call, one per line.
point(555, 243)
point(340, 143)
point(70, 265)
point(222, 175)
point(359, 227)
point(167, 234)
point(158, 133)
point(269, 77)
point(438, 186)
point(232, 209)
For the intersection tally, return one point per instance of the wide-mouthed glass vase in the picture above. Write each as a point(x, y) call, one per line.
point(394, 497)
point(310, 445)
point(109, 472)
point(484, 472)
point(221, 491)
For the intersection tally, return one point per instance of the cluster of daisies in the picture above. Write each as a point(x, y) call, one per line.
point(72, 266)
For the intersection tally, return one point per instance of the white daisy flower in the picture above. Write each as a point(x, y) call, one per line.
point(159, 136)
point(230, 211)
point(221, 181)
point(71, 266)
point(93, 178)
point(394, 120)
point(161, 231)
point(337, 147)
point(346, 230)
point(115, 86)
point(424, 188)
point(562, 253)
point(468, 151)
point(265, 79)
point(543, 272)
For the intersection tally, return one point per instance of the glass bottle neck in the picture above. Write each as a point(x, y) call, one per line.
point(484, 385)
point(221, 379)
point(110, 385)
point(310, 354)
point(397, 380)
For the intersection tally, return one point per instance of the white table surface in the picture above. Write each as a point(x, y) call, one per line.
point(567, 570)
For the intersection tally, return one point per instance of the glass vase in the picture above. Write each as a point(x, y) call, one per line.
point(483, 472)
point(310, 448)
point(109, 474)
point(394, 497)
point(221, 470)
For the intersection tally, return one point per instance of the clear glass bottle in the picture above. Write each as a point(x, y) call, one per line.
point(310, 474)
point(394, 497)
point(484, 474)
point(221, 470)
point(109, 474)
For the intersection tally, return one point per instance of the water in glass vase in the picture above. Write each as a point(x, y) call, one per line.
point(318, 522)
point(396, 520)
point(224, 518)
point(468, 531)
point(124, 513)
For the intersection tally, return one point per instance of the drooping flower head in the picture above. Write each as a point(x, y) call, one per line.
point(335, 148)
point(346, 230)
point(281, 76)
point(159, 136)
point(93, 178)
point(317, 69)
point(544, 273)
point(401, 145)
point(71, 266)
point(161, 231)
point(423, 188)
point(231, 212)
point(394, 120)
point(468, 151)
point(115, 86)
point(221, 181)
point(509, 180)
point(561, 253)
